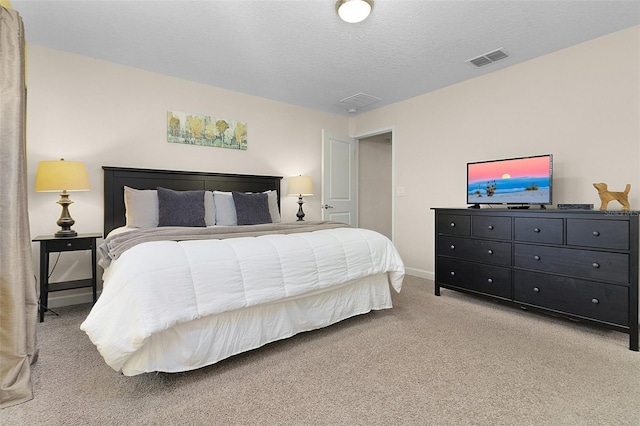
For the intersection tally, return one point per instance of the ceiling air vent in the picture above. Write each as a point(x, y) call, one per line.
point(488, 58)
point(359, 100)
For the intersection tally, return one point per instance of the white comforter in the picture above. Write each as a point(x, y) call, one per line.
point(156, 285)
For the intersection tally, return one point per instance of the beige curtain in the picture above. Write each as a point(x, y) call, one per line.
point(18, 296)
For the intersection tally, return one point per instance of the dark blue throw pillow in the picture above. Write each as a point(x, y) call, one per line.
point(251, 209)
point(180, 208)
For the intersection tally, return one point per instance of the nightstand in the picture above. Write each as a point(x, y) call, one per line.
point(50, 244)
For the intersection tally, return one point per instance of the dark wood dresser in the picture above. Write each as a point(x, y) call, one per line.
point(578, 263)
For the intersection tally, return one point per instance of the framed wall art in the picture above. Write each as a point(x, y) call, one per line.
point(203, 130)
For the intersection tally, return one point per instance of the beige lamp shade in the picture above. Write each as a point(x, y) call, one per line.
point(300, 186)
point(56, 176)
point(62, 176)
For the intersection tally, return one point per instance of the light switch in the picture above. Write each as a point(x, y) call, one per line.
point(400, 191)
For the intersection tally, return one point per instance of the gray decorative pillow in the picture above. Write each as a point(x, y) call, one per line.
point(180, 208)
point(251, 209)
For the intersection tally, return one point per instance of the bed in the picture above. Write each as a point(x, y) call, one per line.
point(181, 293)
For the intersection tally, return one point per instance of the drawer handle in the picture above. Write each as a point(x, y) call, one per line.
point(536, 257)
point(490, 251)
point(595, 265)
point(536, 290)
point(595, 233)
point(453, 247)
point(595, 301)
point(490, 280)
point(536, 230)
point(69, 244)
point(452, 224)
point(491, 227)
point(452, 273)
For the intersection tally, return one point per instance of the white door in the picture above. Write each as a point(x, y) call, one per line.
point(339, 179)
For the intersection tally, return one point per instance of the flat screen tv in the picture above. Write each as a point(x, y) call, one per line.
point(522, 182)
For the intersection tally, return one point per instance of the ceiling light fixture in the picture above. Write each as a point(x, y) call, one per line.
point(354, 11)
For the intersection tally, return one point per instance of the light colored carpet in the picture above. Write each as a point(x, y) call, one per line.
point(449, 360)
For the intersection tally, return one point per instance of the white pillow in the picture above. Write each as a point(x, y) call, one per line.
point(225, 209)
point(209, 209)
point(141, 207)
point(273, 205)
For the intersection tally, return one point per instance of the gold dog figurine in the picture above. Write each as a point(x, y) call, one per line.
point(606, 196)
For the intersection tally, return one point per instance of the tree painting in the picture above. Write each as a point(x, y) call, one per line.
point(192, 129)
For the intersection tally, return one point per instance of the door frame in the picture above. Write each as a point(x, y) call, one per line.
point(376, 132)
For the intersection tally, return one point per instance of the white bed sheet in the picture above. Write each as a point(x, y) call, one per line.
point(229, 333)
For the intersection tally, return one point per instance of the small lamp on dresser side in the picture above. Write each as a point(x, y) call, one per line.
point(301, 186)
point(56, 176)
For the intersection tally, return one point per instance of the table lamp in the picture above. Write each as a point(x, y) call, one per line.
point(300, 186)
point(55, 176)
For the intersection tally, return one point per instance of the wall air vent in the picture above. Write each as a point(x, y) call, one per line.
point(488, 58)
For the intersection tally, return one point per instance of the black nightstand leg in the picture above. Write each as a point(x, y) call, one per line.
point(44, 278)
point(93, 271)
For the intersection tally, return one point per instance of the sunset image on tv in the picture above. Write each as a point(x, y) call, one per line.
point(514, 181)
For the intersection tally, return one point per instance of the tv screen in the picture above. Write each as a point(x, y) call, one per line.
point(524, 181)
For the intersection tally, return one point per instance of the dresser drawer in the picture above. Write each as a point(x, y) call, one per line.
point(612, 267)
point(539, 230)
point(485, 251)
point(491, 227)
point(492, 280)
point(611, 234)
point(454, 224)
point(603, 302)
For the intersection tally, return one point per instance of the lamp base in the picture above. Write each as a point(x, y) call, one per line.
point(65, 221)
point(300, 213)
point(65, 233)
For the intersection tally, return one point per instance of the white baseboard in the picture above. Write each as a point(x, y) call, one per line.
point(420, 273)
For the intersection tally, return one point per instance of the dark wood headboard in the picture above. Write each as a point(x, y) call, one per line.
point(115, 179)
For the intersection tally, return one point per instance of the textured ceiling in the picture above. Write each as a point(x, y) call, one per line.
point(300, 52)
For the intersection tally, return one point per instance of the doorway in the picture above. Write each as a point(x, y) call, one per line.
point(375, 183)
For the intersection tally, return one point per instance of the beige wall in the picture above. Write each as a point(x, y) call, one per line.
point(580, 104)
point(107, 114)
